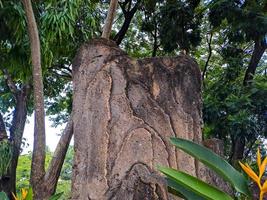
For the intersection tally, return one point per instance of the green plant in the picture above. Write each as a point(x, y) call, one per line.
point(5, 156)
point(27, 194)
point(3, 196)
point(190, 187)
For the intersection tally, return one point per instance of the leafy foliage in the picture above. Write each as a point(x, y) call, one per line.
point(184, 183)
point(23, 172)
point(5, 156)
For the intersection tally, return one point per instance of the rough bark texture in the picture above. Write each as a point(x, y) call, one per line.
point(38, 157)
point(124, 112)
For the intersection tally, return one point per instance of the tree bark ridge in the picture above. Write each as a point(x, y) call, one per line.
point(124, 112)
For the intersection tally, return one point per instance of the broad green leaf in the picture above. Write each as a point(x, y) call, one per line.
point(56, 196)
point(29, 194)
point(215, 162)
point(3, 196)
point(194, 184)
point(180, 190)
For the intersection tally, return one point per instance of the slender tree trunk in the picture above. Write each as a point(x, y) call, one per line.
point(155, 43)
point(109, 20)
point(128, 16)
point(54, 169)
point(38, 158)
point(120, 35)
point(3, 134)
point(259, 49)
point(208, 59)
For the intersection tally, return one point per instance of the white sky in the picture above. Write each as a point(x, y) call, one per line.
point(52, 134)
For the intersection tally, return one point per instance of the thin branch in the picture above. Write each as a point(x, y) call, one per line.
point(249, 148)
point(209, 56)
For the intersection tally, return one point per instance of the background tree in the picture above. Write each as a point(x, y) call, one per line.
point(16, 90)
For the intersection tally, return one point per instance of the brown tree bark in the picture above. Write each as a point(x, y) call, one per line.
point(109, 20)
point(124, 112)
point(38, 157)
point(54, 169)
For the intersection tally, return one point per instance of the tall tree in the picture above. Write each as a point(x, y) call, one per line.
point(242, 22)
point(38, 158)
point(246, 22)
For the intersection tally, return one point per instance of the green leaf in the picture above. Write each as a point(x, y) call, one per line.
point(181, 191)
point(191, 183)
point(3, 196)
point(56, 196)
point(29, 194)
point(215, 162)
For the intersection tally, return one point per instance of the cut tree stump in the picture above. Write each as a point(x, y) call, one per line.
point(125, 110)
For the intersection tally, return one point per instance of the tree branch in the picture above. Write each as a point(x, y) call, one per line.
point(109, 20)
point(259, 49)
point(128, 16)
point(57, 161)
point(209, 56)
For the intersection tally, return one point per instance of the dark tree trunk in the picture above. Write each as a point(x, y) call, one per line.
point(259, 49)
point(208, 59)
point(238, 148)
point(3, 134)
point(128, 16)
point(8, 183)
point(124, 112)
point(120, 35)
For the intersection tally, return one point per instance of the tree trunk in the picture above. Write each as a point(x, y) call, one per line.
point(38, 158)
point(3, 134)
point(128, 16)
point(125, 111)
point(259, 49)
point(238, 148)
point(109, 20)
point(120, 35)
point(8, 183)
point(54, 169)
